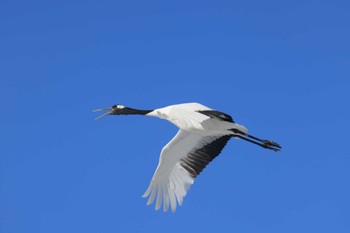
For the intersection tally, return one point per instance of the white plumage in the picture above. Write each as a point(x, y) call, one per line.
point(203, 132)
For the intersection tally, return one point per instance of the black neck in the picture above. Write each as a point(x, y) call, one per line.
point(132, 111)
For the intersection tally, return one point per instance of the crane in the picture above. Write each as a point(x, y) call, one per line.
point(203, 133)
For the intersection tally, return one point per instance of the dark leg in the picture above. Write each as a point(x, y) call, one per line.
point(267, 144)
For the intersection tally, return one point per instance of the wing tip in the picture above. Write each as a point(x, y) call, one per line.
point(168, 199)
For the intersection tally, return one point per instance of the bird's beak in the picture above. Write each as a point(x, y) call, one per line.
point(110, 110)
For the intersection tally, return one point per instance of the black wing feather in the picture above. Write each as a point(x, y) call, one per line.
point(217, 114)
point(198, 159)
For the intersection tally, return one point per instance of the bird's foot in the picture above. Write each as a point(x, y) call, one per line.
point(271, 145)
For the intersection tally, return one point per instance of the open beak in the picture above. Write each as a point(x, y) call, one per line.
point(110, 110)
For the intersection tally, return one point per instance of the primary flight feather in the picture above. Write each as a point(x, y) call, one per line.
point(203, 133)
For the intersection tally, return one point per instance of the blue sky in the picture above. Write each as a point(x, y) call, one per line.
point(281, 68)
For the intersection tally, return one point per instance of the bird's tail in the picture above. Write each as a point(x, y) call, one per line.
point(239, 128)
point(239, 131)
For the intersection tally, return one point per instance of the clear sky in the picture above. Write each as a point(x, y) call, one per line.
point(281, 68)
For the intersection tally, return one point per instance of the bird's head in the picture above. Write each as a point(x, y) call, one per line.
point(116, 109)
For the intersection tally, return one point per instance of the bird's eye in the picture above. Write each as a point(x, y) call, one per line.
point(118, 106)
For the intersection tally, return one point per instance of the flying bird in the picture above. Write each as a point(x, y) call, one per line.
point(203, 133)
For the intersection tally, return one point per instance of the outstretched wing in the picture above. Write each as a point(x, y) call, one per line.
point(181, 160)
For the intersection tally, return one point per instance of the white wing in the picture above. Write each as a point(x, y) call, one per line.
point(181, 160)
point(191, 106)
point(184, 116)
